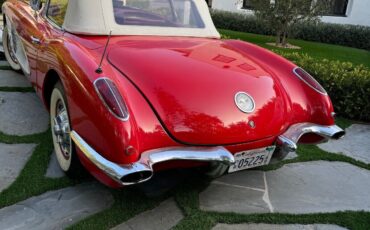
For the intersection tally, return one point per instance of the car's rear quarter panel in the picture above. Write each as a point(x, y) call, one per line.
point(90, 118)
point(305, 104)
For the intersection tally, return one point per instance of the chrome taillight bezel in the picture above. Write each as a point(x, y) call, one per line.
point(323, 92)
point(116, 94)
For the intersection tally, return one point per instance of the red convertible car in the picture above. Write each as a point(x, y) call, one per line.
point(138, 86)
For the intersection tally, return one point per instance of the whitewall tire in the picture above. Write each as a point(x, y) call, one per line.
point(61, 128)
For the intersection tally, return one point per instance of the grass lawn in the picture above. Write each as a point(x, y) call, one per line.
point(31, 181)
point(313, 49)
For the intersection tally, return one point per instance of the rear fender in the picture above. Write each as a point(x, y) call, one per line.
point(306, 105)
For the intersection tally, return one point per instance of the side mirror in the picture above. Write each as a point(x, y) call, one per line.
point(35, 5)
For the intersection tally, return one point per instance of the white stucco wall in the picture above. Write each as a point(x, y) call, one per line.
point(358, 11)
point(230, 5)
point(227, 5)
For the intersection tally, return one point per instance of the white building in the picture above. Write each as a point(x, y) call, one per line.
point(354, 12)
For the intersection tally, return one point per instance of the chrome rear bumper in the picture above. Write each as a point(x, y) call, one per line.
point(288, 140)
point(142, 170)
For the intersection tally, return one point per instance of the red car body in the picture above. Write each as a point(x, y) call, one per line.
point(179, 91)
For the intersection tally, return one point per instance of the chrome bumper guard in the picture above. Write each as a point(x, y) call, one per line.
point(142, 170)
point(287, 142)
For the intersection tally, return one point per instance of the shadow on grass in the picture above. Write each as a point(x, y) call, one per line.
point(133, 200)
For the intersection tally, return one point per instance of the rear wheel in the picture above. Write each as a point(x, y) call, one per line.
point(61, 128)
point(8, 51)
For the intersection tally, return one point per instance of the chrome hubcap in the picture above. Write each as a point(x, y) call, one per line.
point(62, 129)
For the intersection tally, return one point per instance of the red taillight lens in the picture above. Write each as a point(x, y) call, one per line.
point(309, 80)
point(110, 96)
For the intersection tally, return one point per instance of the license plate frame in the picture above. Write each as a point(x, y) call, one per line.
point(252, 158)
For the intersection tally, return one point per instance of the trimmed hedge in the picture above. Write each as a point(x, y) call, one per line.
point(346, 35)
point(240, 22)
point(348, 85)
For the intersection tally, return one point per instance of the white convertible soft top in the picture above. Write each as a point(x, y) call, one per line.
point(96, 17)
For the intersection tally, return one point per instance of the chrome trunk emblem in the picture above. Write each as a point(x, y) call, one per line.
point(245, 102)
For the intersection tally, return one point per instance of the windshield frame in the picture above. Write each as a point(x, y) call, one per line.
point(98, 19)
point(173, 13)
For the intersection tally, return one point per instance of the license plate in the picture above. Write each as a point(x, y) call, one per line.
point(252, 158)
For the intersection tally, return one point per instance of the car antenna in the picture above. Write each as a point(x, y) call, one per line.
point(99, 69)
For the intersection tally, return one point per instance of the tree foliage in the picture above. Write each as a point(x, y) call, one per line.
point(281, 15)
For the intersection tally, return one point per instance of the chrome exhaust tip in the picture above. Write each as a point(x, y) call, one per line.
point(287, 142)
point(137, 177)
point(328, 132)
point(338, 135)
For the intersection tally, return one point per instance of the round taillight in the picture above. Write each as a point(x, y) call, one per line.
point(309, 80)
point(111, 98)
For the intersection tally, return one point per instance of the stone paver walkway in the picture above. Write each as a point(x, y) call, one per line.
point(229, 193)
point(12, 160)
point(355, 144)
point(56, 209)
point(291, 155)
point(54, 170)
point(4, 64)
point(276, 227)
point(310, 187)
point(163, 217)
point(9, 78)
point(22, 114)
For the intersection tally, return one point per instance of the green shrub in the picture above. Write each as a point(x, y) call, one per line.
point(347, 84)
point(346, 35)
point(240, 22)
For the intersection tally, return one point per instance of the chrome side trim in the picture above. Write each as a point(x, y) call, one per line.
point(144, 167)
point(288, 140)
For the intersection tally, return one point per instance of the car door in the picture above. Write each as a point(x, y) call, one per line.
point(27, 37)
